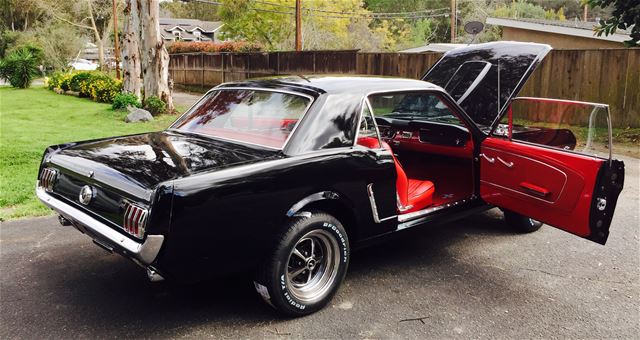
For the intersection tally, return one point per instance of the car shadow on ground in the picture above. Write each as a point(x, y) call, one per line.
point(98, 295)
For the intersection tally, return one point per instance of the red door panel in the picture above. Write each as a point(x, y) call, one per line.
point(552, 186)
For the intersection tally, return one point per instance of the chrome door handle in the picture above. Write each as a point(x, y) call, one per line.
point(507, 164)
point(489, 159)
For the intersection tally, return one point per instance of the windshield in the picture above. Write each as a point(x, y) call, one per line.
point(259, 117)
point(421, 106)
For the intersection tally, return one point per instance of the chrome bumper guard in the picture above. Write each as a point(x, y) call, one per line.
point(144, 253)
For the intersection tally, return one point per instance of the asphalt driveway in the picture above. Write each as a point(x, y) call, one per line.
point(468, 279)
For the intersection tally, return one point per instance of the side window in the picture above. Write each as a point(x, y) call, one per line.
point(367, 133)
point(562, 124)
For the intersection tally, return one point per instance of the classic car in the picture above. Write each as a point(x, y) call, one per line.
point(283, 177)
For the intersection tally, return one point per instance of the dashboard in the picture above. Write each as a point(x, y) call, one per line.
point(426, 136)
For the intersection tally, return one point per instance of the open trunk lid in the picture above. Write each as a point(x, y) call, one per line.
point(484, 78)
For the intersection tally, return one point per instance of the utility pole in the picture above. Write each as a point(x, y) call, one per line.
point(453, 21)
point(298, 26)
point(116, 44)
point(586, 13)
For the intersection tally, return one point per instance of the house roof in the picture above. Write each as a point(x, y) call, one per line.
point(187, 27)
point(575, 28)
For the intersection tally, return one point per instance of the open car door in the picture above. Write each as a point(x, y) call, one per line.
point(564, 175)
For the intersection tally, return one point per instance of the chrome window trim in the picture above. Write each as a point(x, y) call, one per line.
point(363, 104)
point(144, 252)
point(251, 88)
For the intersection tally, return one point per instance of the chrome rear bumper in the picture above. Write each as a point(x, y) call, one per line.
point(144, 253)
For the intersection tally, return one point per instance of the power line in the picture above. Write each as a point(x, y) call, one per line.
point(409, 13)
point(341, 15)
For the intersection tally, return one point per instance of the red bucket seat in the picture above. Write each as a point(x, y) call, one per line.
point(413, 194)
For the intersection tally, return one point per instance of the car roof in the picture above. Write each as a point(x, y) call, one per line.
point(336, 84)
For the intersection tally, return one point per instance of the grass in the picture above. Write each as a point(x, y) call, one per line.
point(32, 119)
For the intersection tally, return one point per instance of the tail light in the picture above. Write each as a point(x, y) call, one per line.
point(48, 178)
point(134, 220)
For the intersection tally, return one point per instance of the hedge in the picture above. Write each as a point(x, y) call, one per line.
point(94, 84)
point(225, 46)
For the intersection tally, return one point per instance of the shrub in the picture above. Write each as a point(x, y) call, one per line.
point(155, 105)
point(122, 100)
point(212, 47)
point(20, 66)
point(77, 79)
point(95, 85)
point(59, 80)
point(104, 89)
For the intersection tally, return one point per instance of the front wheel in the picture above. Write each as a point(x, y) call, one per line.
point(520, 223)
point(307, 265)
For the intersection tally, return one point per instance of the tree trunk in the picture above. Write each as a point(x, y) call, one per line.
point(96, 35)
point(131, 49)
point(100, 53)
point(154, 55)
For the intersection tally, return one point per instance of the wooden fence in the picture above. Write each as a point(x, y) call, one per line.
point(610, 76)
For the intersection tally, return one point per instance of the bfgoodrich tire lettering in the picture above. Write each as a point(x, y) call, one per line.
point(307, 265)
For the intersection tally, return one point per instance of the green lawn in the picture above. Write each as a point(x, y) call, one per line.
point(32, 119)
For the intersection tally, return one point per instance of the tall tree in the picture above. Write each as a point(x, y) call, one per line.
point(189, 10)
point(92, 15)
point(131, 48)
point(331, 25)
point(154, 55)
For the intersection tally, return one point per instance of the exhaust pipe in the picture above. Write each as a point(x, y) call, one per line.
point(63, 221)
point(153, 275)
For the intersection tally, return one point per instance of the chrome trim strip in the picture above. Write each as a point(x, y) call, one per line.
point(145, 252)
point(423, 212)
point(561, 101)
point(374, 207)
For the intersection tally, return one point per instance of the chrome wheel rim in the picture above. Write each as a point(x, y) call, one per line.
point(312, 266)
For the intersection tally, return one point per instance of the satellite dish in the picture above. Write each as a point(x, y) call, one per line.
point(473, 27)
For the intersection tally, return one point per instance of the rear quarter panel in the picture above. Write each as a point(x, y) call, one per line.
point(226, 221)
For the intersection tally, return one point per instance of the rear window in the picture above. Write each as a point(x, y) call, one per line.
point(260, 117)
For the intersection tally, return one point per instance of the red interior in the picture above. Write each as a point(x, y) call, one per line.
point(541, 183)
point(267, 131)
point(453, 176)
point(262, 122)
point(414, 194)
point(271, 139)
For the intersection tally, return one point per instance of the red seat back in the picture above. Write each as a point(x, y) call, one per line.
point(402, 183)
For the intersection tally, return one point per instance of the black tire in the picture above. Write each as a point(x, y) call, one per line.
point(303, 293)
point(520, 223)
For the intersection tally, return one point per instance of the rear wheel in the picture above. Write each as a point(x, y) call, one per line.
point(520, 223)
point(307, 265)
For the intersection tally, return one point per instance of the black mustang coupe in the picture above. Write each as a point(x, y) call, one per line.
point(284, 177)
